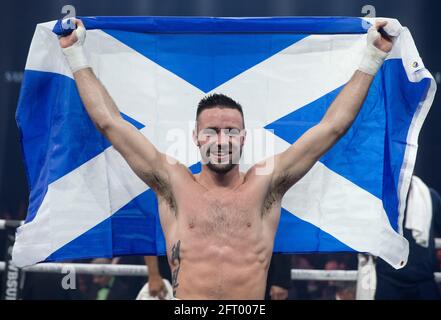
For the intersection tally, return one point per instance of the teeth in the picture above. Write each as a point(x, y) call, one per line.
point(220, 154)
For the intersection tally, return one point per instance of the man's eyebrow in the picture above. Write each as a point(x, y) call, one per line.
point(217, 128)
point(211, 128)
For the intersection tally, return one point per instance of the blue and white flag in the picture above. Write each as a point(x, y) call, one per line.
point(86, 202)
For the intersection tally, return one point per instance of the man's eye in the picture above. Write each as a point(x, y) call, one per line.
point(209, 132)
point(233, 132)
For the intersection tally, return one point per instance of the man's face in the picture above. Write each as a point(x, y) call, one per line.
point(220, 137)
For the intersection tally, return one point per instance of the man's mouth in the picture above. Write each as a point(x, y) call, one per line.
point(220, 154)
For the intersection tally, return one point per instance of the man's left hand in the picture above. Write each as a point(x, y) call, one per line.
point(384, 41)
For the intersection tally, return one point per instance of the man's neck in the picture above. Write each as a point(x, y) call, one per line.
point(210, 179)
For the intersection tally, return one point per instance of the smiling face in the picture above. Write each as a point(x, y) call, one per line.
point(220, 136)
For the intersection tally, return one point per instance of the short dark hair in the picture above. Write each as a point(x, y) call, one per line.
point(218, 100)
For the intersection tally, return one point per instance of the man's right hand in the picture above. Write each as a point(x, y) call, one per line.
point(70, 39)
point(72, 46)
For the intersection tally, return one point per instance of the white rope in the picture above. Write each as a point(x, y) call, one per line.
point(324, 275)
point(438, 243)
point(16, 223)
point(86, 268)
point(139, 270)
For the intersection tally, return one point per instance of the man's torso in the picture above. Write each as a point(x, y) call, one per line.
point(219, 242)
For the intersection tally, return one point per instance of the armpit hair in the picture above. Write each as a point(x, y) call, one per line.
point(162, 188)
point(276, 192)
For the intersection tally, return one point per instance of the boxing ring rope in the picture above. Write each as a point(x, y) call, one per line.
point(140, 270)
point(11, 223)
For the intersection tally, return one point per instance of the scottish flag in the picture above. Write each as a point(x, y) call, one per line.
point(86, 202)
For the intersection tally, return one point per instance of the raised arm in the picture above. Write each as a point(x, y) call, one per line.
point(144, 159)
point(292, 164)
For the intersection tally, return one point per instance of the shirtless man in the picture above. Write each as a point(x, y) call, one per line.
point(220, 225)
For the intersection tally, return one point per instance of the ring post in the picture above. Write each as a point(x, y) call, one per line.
point(13, 277)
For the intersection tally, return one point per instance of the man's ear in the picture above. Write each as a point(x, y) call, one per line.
point(244, 135)
point(195, 138)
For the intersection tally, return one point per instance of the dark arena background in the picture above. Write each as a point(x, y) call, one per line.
point(18, 20)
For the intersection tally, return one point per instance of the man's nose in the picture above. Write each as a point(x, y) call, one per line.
point(222, 137)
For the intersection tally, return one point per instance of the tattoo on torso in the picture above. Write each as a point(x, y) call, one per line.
point(176, 260)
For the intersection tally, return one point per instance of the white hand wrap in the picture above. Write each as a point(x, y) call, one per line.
point(373, 57)
point(75, 54)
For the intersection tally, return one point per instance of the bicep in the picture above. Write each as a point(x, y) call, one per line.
point(293, 163)
point(140, 154)
point(155, 168)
